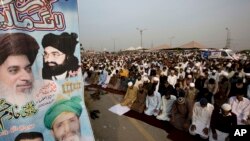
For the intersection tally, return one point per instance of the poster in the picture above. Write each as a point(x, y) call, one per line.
point(41, 89)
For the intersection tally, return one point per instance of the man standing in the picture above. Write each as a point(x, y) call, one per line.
point(59, 59)
point(202, 112)
point(17, 54)
point(62, 119)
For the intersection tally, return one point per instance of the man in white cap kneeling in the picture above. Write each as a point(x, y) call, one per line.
point(222, 121)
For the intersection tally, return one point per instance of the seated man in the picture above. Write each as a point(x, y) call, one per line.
point(167, 102)
point(130, 95)
point(222, 121)
point(241, 107)
point(202, 112)
point(153, 101)
point(139, 103)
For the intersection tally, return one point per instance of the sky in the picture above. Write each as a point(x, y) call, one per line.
point(112, 24)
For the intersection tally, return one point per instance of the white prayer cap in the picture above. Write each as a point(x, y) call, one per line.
point(162, 73)
point(197, 64)
point(189, 76)
point(188, 71)
point(225, 74)
point(172, 71)
point(130, 84)
point(214, 71)
point(176, 67)
point(226, 107)
point(156, 79)
point(145, 79)
point(194, 70)
point(202, 74)
point(229, 65)
point(191, 84)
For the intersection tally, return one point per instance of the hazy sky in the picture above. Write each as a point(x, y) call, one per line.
point(104, 21)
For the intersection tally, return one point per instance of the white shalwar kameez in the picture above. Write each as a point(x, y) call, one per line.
point(166, 107)
point(240, 108)
point(201, 119)
point(153, 103)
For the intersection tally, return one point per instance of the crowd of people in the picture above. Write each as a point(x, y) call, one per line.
point(200, 96)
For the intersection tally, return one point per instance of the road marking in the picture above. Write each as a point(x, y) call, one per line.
point(135, 123)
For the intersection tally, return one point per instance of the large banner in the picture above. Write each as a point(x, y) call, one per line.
point(41, 89)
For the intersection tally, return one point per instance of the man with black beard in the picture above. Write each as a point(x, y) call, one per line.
point(59, 61)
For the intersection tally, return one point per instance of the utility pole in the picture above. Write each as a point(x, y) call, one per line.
point(141, 30)
point(228, 41)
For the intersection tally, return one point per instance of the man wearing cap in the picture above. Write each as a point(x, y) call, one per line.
point(172, 78)
point(191, 95)
point(130, 95)
point(62, 118)
point(59, 61)
point(222, 121)
point(201, 116)
point(180, 114)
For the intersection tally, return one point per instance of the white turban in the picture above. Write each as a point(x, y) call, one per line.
point(145, 79)
point(229, 65)
point(226, 107)
point(156, 79)
point(189, 76)
point(225, 74)
point(198, 64)
point(191, 84)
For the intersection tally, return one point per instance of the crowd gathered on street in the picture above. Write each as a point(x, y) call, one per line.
point(205, 97)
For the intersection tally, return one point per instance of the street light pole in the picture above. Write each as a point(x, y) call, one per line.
point(140, 30)
point(228, 38)
point(114, 44)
